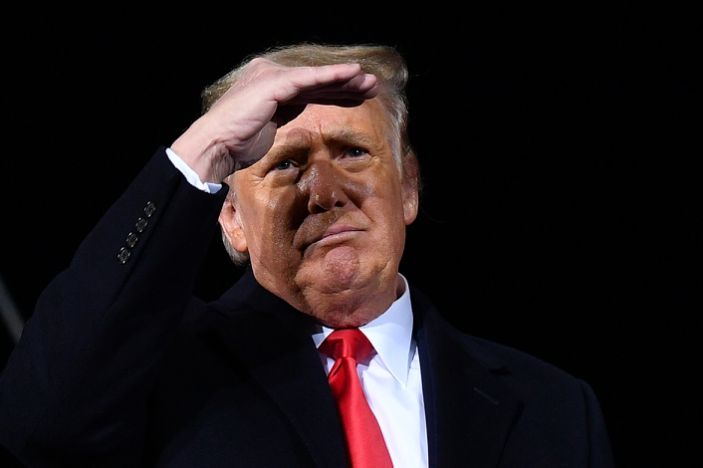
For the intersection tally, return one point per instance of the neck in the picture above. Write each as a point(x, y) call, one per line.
point(350, 308)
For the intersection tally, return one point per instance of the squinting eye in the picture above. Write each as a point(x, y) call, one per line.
point(283, 165)
point(356, 152)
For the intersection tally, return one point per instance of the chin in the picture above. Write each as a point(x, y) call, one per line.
point(339, 269)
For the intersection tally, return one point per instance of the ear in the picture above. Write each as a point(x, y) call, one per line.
point(232, 227)
point(410, 186)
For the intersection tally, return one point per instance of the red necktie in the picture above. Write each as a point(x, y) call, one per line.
point(364, 438)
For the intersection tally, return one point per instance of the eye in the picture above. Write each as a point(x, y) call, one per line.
point(355, 152)
point(283, 165)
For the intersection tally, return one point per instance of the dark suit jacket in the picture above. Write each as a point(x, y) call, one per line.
point(120, 366)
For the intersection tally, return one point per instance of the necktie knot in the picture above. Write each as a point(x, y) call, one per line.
point(348, 343)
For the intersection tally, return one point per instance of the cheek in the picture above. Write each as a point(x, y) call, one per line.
point(390, 198)
point(387, 214)
point(270, 228)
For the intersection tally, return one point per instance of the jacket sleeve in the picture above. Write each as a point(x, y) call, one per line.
point(600, 455)
point(74, 390)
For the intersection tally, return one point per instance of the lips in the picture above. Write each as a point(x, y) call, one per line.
point(338, 229)
point(335, 231)
point(332, 224)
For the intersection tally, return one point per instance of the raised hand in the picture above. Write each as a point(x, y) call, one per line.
point(242, 124)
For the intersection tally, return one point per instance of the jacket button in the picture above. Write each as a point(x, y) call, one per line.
point(149, 209)
point(141, 224)
point(123, 255)
point(132, 239)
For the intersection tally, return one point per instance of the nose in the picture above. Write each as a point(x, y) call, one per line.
point(325, 187)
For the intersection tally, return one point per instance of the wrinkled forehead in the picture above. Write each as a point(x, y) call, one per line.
point(366, 123)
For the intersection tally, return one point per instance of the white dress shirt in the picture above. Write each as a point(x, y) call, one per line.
point(191, 176)
point(391, 382)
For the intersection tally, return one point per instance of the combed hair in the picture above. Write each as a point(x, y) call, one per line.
point(383, 61)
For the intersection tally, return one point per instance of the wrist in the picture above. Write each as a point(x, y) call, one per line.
point(204, 153)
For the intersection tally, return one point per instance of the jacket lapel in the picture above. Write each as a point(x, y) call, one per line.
point(469, 412)
point(272, 340)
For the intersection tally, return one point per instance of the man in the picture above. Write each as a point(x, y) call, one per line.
point(120, 366)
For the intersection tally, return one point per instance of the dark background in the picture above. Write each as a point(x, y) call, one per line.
point(561, 208)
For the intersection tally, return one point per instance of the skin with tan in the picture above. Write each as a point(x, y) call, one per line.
point(323, 213)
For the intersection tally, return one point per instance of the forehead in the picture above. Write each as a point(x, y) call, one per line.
point(318, 121)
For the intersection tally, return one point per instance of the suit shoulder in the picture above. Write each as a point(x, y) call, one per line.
point(514, 366)
point(529, 376)
point(516, 360)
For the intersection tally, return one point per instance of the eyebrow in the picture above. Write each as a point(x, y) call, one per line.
point(347, 135)
point(340, 135)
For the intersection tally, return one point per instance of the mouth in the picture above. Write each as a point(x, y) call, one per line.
point(334, 234)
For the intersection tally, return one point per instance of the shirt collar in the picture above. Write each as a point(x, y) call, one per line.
point(390, 334)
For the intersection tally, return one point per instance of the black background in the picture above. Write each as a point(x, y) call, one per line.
point(561, 207)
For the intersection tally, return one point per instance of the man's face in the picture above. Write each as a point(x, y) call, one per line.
point(323, 213)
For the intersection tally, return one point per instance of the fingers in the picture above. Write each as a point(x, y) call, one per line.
point(341, 81)
point(305, 77)
point(355, 90)
point(365, 84)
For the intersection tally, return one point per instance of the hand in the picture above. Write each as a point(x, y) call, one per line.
point(242, 124)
